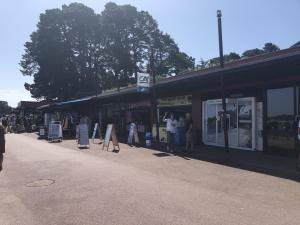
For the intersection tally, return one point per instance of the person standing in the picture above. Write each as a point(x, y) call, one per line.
point(171, 130)
point(189, 132)
point(2, 144)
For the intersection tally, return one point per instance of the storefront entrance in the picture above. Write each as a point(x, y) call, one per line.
point(240, 121)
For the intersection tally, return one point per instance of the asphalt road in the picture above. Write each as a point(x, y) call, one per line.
point(134, 187)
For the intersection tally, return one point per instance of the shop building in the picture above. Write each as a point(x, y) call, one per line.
point(262, 99)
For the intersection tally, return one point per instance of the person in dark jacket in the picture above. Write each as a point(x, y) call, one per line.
point(2, 144)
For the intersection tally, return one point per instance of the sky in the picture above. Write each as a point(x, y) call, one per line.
point(192, 23)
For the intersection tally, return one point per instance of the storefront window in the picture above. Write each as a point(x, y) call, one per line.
point(239, 121)
point(211, 123)
point(280, 112)
point(245, 123)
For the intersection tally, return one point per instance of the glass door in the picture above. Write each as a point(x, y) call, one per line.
point(231, 117)
point(245, 123)
point(239, 121)
point(210, 124)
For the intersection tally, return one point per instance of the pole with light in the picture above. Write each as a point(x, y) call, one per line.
point(224, 116)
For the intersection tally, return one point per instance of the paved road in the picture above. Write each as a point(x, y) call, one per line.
point(135, 187)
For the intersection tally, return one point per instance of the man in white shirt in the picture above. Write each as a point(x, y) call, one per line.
point(171, 130)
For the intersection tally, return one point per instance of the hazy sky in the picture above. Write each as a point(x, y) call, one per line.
point(192, 23)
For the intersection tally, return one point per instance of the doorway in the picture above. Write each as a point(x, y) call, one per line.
point(240, 122)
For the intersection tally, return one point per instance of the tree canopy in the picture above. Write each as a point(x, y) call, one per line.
point(4, 108)
point(75, 51)
point(232, 56)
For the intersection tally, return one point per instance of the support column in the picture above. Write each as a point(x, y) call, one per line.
point(197, 116)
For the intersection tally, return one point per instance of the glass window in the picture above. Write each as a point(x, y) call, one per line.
point(280, 118)
point(245, 123)
point(211, 123)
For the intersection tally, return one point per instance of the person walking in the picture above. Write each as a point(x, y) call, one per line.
point(2, 144)
point(171, 130)
point(189, 132)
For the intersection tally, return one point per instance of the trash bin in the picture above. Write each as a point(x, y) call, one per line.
point(148, 139)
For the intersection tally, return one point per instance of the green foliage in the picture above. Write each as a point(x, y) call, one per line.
point(232, 56)
point(252, 52)
point(75, 51)
point(270, 47)
point(4, 108)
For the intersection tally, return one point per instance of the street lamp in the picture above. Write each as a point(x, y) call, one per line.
point(224, 117)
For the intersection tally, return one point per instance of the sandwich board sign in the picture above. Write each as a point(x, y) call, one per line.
point(83, 135)
point(110, 135)
point(133, 133)
point(97, 127)
point(143, 82)
point(55, 131)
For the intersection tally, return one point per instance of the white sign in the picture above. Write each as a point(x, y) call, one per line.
point(143, 82)
point(94, 132)
point(133, 133)
point(55, 130)
point(108, 134)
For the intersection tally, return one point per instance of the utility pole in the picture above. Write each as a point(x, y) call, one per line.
point(153, 98)
point(224, 117)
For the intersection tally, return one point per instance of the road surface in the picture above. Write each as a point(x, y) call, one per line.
point(47, 184)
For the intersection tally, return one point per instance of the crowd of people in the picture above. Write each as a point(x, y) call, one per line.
point(18, 124)
point(171, 126)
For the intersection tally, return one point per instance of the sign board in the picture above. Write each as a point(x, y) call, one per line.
point(175, 101)
point(133, 133)
point(42, 131)
point(110, 134)
point(143, 82)
point(97, 127)
point(55, 131)
point(83, 134)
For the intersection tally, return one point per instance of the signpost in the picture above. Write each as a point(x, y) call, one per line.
point(55, 131)
point(143, 82)
point(110, 134)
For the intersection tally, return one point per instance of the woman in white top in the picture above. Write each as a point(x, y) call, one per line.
point(171, 130)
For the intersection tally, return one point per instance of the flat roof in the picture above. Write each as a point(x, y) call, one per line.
point(203, 73)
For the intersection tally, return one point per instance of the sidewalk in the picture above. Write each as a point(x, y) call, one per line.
point(259, 162)
point(255, 161)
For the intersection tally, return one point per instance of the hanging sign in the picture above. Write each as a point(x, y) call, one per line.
point(110, 134)
point(143, 82)
point(175, 101)
point(83, 135)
